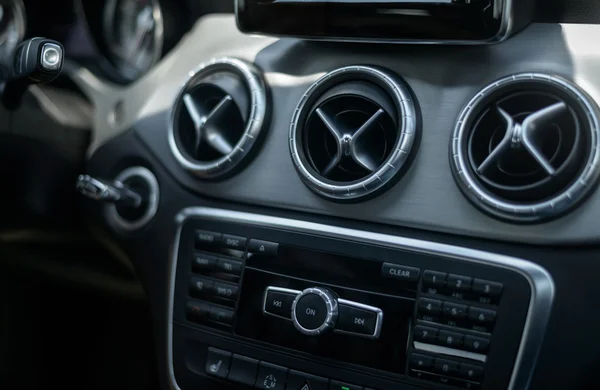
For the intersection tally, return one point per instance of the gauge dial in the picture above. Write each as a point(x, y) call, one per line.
point(12, 26)
point(133, 30)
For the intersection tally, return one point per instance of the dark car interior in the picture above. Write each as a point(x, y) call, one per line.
point(299, 194)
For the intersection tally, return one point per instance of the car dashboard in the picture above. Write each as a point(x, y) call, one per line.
point(338, 194)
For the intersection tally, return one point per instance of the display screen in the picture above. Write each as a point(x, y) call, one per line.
point(388, 353)
point(360, 20)
point(312, 268)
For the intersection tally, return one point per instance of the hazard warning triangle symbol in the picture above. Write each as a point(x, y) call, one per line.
point(306, 386)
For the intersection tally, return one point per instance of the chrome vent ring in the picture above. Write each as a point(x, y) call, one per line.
point(352, 132)
point(527, 148)
point(218, 117)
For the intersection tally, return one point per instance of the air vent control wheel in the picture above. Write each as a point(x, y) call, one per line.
point(527, 148)
point(353, 132)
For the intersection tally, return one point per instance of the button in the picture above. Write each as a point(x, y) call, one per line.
point(454, 310)
point(482, 316)
point(197, 310)
point(449, 339)
point(203, 262)
point(425, 334)
point(485, 287)
point(423, 375)
point(232, 267)
point(420, 362)
point(210, 238)
point(476, 344)
point(400, 272)
point(434, 278)
point(217, 362)
point(261, 247)
point(471, 372)
point(279, 303)
point(243, 370)
point(234, 242)
point(224, 290)
point(300, 381)
point(430, 306)
point(466, 384)
point(446, 367)
point(201, 286)
point(355, 320)
point(270, 376)
point(221, 314)
point(335, 385)
point(311, 311)
point(459, 282)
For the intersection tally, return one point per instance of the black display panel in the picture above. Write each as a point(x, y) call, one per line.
point(388, 353)
point(400, 20)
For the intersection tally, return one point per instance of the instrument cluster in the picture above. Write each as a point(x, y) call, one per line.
point(131, 36)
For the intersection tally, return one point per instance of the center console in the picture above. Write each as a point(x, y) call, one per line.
point(273, 303)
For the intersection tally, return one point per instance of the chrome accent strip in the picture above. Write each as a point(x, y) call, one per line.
point(111, 213)
point(282, 290)
point(504, 32)
point(540, 281)
point(516, 211)
point(406, 118)
point(256, 89)
point(373, 309)
point(449, 351)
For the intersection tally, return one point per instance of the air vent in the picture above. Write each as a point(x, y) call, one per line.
point(218, 117)
point(353, 132)
point(527, 147)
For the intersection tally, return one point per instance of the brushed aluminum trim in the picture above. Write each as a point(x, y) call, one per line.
point(449, 351)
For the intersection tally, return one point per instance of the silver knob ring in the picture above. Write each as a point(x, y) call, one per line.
point(332, 311)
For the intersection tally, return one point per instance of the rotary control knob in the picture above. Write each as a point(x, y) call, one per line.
point(315, 311)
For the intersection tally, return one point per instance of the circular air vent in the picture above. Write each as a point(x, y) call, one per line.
point(218, 117)
point(352, 132)
point(527, 147)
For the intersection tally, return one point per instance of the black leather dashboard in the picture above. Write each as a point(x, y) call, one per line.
point(427, 196)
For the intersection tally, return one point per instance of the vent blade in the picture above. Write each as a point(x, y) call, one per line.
point(502, 147)
point(539, 120)
point(215, 121)
point(198, 120)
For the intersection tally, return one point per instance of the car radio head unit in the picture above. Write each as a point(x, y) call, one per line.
point(402, 21)
point(256, 298)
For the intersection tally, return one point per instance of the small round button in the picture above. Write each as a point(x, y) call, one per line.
point(311, 311)
point(314, 311)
